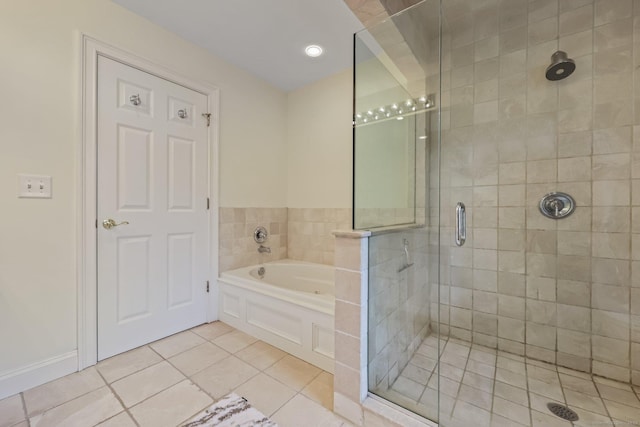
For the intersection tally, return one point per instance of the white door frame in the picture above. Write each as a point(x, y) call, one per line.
point(86, 191)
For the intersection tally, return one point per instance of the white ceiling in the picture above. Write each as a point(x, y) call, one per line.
point(264, 37)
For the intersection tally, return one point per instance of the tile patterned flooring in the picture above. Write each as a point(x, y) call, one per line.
point(167, 382)
point(484, 387)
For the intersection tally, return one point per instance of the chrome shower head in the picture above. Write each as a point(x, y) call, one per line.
point(561, 66)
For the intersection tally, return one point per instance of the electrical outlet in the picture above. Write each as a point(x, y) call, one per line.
point(34, 186)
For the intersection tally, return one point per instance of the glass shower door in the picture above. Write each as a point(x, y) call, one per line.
point(396, 159)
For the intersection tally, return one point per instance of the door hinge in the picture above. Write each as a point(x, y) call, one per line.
point(207, 286)
point(208, 117)
point(96, 223)
point(207, 203)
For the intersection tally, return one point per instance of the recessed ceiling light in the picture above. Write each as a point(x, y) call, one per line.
point(313, 50)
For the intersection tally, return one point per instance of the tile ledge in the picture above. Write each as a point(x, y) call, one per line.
point(351, 234)
point(395, 413)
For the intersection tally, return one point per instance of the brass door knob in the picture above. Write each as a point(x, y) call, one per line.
point(109, 223)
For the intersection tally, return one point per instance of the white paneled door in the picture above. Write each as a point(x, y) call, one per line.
point(153, 238)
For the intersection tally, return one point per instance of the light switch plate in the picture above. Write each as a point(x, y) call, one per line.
point(34, 186)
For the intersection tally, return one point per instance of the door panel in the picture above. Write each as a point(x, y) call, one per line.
point(153, 182)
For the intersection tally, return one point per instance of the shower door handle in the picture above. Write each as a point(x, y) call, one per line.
point(461, 224)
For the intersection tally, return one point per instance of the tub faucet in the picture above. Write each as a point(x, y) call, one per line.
point(262, 249)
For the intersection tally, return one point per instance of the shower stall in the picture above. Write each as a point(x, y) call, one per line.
point(497, 167)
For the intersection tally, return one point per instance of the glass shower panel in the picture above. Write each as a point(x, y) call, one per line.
point(384, 140)
point(396, 181)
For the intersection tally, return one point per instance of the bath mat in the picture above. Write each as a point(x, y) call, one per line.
point(230, 411)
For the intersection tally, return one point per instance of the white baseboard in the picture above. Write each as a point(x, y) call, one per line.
point(33, 375)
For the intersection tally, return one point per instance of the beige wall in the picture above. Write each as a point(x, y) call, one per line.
point(319, 143)
point(39, 135)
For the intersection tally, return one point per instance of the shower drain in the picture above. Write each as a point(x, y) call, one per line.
point(562, 412)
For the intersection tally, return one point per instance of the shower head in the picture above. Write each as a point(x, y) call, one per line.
point(561, 66)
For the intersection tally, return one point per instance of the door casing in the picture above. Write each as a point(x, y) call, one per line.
point(86, 191)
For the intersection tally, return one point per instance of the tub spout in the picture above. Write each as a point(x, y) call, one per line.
point(264, 249)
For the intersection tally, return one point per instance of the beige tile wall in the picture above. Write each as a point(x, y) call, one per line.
point(310, 233)
point(398, 317)
point(562, 291)
point(300, 234)
point(237, 247)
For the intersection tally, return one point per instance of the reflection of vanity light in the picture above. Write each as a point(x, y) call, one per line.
point(400, 118)
point(422, 137)
point(409, 106)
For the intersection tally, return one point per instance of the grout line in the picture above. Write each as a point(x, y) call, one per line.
point(24, 409)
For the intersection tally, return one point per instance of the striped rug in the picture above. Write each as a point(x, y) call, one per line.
point(230, 411)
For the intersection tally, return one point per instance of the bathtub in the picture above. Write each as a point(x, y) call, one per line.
point(288, 304)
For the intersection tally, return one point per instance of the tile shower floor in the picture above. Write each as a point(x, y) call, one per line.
point(167, 382)
point(484, 387)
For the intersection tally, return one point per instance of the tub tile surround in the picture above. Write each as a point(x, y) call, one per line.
point(237, 247)
point(310, 231)
point(302, 234)
point(563, 291)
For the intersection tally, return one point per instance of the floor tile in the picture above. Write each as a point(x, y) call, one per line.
point(511, 393)
point(500, 421)
point(62, 390)
point(293, 372)
point(589, 419)
point(512, 378)
point(234, 341)
point(622, 412)
point(11, 411)
point(123, 419)
point(224, 376)
point(177, 343)
point(260, 355)
point(265, 394)
point(552, 391)
point(471, 415)
point(139, 386)
point(478, 381)
point(124, 364)
point(481, 368)
point(578, 384)
point(541, 419)
point(211, 331)
point(172, 406)
point(617, 395)
point(417, 374)
point(584, 401)
point(86, 410)
point(320, 390)
point(196, 359)
point(476, 397)
point(408, 388)
point(510, 410)
point(302, 411)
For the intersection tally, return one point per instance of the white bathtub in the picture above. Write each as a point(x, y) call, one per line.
point(290, 305)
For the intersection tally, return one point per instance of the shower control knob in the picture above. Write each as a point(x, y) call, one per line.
point(557, 205)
